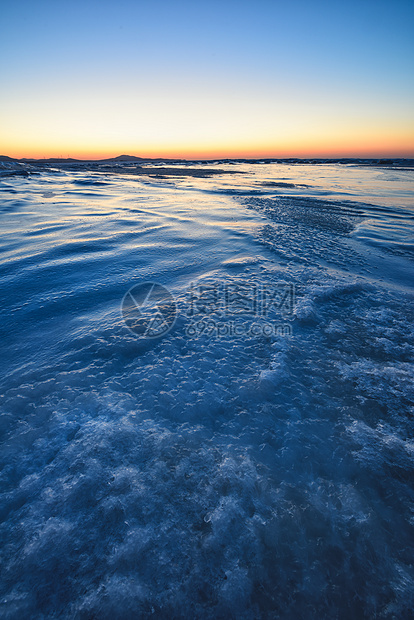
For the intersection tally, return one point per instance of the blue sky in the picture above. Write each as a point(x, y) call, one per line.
point(214, 78)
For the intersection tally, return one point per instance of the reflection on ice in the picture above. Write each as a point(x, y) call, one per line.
point(208, 474)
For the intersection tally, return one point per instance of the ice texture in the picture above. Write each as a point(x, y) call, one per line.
point(245, 475)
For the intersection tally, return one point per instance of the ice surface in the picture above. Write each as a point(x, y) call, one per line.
point(244, 475)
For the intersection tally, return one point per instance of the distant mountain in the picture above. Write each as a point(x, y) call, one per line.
point(61, 160)
point(70, 160)
point(5, 158)
point(49, 160)
point(123, 158)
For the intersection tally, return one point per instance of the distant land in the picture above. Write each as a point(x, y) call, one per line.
point(60, 160)
point(123, 159)
point(161, 167)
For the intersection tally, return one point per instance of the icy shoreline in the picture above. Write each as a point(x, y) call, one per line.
point(209, 474)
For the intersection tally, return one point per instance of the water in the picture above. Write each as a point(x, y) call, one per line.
point(240, 466)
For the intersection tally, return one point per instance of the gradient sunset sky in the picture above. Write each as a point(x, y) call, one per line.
point(206, 79)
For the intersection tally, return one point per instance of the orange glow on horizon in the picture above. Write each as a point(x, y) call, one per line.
point(372, 150)
point(290, 139)
point(201, 129)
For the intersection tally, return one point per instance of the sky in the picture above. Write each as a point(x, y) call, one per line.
point(207, 79)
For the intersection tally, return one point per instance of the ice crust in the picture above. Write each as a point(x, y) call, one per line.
point(203, 477)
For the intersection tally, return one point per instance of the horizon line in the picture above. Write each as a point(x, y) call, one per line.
point(209, 158)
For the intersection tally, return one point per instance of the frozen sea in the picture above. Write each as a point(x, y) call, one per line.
point(256, 460)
